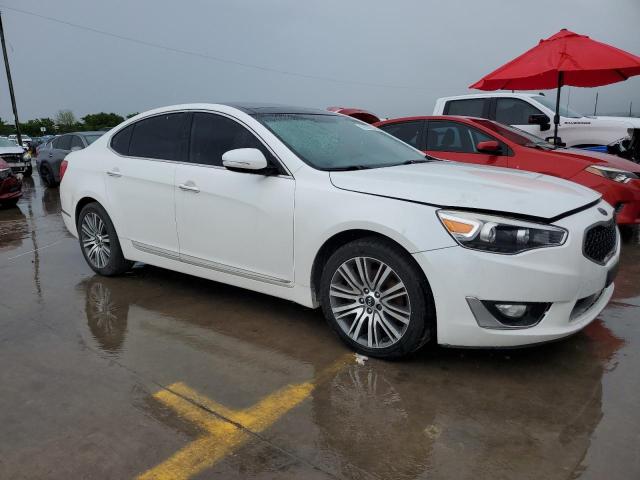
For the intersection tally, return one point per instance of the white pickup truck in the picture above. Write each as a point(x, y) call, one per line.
point(534, 113)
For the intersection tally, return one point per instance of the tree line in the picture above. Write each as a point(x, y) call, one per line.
point(64, 122)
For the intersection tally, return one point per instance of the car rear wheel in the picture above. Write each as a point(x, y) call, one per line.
point(9, 203)
point(99, 242)
point(376, 299)
point(47, 176)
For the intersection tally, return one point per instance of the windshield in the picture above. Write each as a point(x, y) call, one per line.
point(336, 142)
point(91, 138)
point(5, 142)
point(513, 134)
point(551, 105)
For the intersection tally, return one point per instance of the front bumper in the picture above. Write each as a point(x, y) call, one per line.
point(10, 189)
point(561, 276)
point(19, 167)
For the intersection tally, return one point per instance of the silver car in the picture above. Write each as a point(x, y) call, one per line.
point(51, 154)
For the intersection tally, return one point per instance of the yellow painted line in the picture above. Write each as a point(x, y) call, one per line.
point(228, 429)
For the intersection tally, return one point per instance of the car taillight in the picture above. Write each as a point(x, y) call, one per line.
point(63, 168)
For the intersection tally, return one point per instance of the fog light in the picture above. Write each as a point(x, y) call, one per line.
point(512, 310)
point(501, 314)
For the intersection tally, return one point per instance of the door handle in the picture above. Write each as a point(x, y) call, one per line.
point(188, 188)
point(114, 173)
point(50, 155)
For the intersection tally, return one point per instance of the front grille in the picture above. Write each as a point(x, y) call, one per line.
point(12, 158)
point(600, 241)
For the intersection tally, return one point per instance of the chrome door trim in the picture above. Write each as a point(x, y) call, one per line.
point(143, 247)
point(219, 267)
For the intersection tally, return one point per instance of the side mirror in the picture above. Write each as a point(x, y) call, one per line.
point(552, 141)
point(540, 119)
point(490, 146)
point(76, 148)
point(244, 159)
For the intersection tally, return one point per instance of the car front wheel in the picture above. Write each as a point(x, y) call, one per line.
point(376, 299)
point(99, 242)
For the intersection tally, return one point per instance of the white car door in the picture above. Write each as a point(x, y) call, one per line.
point(232, 221)
point(140, 178)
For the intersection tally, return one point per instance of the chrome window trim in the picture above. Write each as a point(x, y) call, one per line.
point(219, 267)
point(214, 112)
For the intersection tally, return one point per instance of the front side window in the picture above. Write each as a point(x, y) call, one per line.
point(513, 111)
point(336, 142)
point(444, 136)
point(161, 137)
point(551, 105)
point(408, 132)
point(213, 135)
point(471, 107)
point(76, 141)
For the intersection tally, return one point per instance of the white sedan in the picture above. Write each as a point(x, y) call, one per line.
point(327, 211)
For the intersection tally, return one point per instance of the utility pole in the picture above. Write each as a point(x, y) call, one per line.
point(630, 105)
point(13, 97)
point(595, 107)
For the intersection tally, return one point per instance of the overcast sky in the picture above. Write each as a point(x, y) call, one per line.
point(391, 57)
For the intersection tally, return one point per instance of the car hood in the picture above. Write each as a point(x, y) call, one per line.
point(601, 159)
point(453, 184)
point(629, 122)
point(11, 150)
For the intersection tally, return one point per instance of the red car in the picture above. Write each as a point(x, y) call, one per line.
point(10, 186)
point(477, 140)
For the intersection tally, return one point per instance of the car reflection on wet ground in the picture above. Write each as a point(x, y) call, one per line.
point(82, 358)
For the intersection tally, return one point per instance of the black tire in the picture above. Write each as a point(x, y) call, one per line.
point(28, 172)
point(116, 263)
point(47, 176)
point(10, 203)
point(421, 325)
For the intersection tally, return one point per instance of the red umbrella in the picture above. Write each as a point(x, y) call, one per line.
point(565, 58)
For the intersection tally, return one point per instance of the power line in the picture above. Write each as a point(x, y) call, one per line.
point(206, 56)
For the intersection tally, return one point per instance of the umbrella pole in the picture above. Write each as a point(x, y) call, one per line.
point(556, 118)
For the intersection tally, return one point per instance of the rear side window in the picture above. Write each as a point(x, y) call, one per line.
point(472, 107)
point(213, 135)
point(408, 132)
point(162, 137)
point(513, 111)
point(120, 141)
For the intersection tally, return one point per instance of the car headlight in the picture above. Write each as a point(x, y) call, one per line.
point(498, 234)
point(615, 174)
point(26, 157)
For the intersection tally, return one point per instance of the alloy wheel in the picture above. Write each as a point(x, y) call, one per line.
point(370, 302)
point(95, 240)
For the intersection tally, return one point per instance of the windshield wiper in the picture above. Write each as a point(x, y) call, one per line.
point(419, 160)
point(351, 167)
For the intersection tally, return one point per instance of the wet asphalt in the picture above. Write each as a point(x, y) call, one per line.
point(83, 359)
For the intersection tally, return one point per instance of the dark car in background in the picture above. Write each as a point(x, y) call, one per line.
point(52, 153)
point(10, 186)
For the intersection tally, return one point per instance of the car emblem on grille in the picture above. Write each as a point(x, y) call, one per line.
point(602, 211)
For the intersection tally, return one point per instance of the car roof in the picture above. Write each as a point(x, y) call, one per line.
point(462, 118)
point(258, 108)
point(491, 94)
